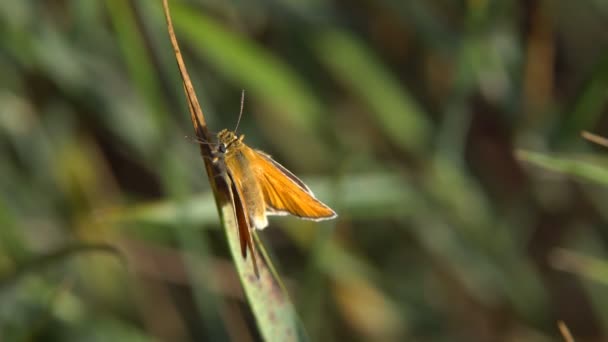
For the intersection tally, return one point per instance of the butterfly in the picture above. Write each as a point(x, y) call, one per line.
point(261, 187)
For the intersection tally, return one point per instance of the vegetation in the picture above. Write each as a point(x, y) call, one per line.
point(447, 135)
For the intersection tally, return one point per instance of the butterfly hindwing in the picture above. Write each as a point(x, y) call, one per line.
point(240, 167)
point(245, 238)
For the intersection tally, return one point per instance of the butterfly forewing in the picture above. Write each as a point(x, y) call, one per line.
point(283, 192)
point(284, 171)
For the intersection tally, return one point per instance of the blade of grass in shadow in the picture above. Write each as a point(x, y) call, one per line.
point(582, 265)
point(587, 109)
point(576, 168)
point(12, 245)
point(137, 59)
point(393, 107)
point(37, 263)
point(270, 304)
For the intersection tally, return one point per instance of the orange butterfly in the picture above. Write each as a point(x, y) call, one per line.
point(260, 187)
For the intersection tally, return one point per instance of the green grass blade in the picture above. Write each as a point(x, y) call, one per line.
point(270, 303)
point(261, 73)
point(576, 168)
point(587, 109)
point(137, 58)
point(368, 196)
point(583, 265)
point(395, 110)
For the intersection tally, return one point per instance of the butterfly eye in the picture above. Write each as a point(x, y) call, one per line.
point(222, 148)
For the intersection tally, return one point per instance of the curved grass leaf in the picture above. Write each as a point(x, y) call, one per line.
point(393, 107)
point(577, 168)
point(137, 58)
point(584, 265)
point(587, 108)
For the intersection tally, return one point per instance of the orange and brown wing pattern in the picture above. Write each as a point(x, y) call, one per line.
point(283, 192)
point(240, 169)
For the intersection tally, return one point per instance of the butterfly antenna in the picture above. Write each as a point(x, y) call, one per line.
point(241, 112)
point(198, 140)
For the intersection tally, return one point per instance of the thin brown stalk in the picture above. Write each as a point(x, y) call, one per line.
point(563, 329)
point(595, 138)
point(197, 116)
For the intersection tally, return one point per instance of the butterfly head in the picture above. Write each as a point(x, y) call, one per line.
point(227, 140)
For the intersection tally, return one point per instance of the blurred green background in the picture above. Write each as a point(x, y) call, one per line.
point(446, 134)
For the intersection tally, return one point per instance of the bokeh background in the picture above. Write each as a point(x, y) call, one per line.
point(419, 121)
